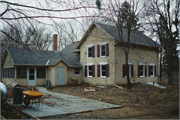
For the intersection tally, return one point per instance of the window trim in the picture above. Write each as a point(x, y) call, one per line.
point(89, 46)
point(101, 64)
point(153, 70)
point(129, 70)
point(79, 72)
point(143, 71)
point(88, 71)
point(102, 44)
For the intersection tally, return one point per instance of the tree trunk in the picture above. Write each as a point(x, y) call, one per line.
point(127, 71)
point(170, 71)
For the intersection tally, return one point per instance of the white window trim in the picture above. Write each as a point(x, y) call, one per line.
point(89, 63)
point(77, 74)
point(143, 71)
point(153, 69)
point(88, 71)
point(102, 63)
point(100, 49)
point(88, 46)
point(129, 70)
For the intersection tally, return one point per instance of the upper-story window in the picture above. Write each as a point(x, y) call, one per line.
point(90, 51)
point(103, 50)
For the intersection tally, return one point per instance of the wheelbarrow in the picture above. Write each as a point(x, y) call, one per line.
point(32, 97)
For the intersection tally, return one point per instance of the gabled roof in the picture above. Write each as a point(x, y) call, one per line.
point(136, 37)
point(45, 58)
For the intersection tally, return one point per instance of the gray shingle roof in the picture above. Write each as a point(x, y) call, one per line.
point(36, 57)
point(137, 37)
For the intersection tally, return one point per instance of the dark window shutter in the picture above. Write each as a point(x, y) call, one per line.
point(155, 70)
point(98, 71)
point(145, 71)
point(85, 70)
point(98, 50)
point(93, 69)
point(132, 74)
point(138, 70)
point(107, 49)
point(107, 70)
point(124, 71)
point(149, 71)
point(93, 51)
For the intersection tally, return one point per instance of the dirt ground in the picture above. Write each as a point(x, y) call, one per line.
point(141, 102)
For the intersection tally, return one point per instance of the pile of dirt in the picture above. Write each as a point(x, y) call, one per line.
point(10, 112)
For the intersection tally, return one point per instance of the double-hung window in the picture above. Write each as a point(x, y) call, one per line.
point(103, 69)
point(103, 50)
point(152, 70)
point(130, 70)
point(41, 72)
point(89, 70)
point(90, 51)
point(142, 70)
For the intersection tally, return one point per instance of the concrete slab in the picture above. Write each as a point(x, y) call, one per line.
point(64, 104)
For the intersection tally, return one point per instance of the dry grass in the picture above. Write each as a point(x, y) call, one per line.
point(141, 97)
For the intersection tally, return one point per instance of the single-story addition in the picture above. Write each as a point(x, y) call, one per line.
point(33, 67)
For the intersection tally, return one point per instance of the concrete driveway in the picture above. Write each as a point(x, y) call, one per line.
point(63, 104)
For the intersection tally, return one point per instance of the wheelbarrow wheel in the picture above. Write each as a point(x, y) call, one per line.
point(26, 102)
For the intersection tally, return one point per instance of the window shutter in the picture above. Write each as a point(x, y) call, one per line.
point(93, 51)
point(138, 70)
point(107, 49)
point(93, 68)
point(85, 70)
point(155, 71)
point(107, 70)
point(145, 71)
point(149, 71)
point(98, 71)
point(98, 50)
point(124, 72)
point(132, 74)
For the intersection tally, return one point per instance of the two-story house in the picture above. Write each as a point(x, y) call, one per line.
point(97, 59)
point(103, 58)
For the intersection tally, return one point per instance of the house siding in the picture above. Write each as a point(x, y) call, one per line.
point(98, 36)
point(70, 74)
point(138, 54)
point(8, 62)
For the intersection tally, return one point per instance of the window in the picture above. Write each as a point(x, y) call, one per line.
point(103, 50)
point(77, 71)
point(103, 69)
point(89, 70)
point(21, 73)
point(130, 71)
point(152, 72)
point(90, 51)
point(142, 70)
point(8, 73)
point(41, 72)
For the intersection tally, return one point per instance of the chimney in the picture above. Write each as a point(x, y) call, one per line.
point(55, 42)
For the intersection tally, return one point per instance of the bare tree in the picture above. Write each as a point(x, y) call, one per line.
point(163, 18)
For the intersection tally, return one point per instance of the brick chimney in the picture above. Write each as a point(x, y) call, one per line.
point(55, 42)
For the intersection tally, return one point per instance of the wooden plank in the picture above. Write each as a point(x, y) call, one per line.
point(119, 87)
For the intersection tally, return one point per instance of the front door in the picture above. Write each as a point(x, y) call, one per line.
point(31, 76)
point(60, 76)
